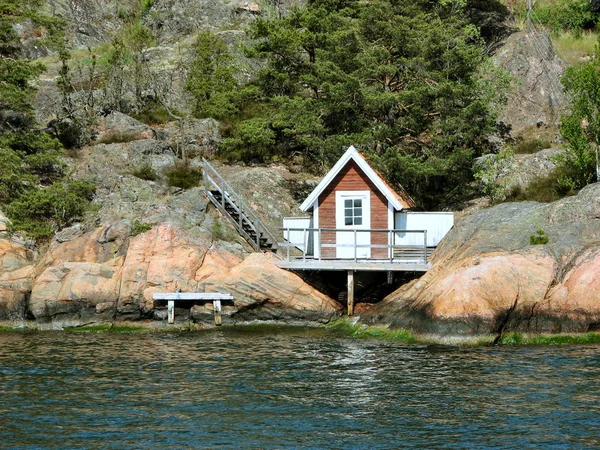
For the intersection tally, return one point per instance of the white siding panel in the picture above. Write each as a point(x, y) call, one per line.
point(437, 225)
point(299, 239)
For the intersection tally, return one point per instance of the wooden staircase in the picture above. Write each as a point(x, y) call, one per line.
point(235, 209)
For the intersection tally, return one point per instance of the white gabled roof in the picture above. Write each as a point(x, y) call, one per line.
point(352, 153)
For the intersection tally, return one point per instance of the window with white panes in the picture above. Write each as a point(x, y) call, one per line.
point(353, 211)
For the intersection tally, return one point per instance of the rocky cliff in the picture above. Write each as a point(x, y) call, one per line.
point(144, 236)
point(536, 100)
point(487, 277)
point(107, 274)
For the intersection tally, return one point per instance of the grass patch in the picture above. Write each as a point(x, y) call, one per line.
point(183, 176)
point(116, 137)
point(528, 146)
point(106, 328)
point(146, 172)
point(543, 190)
point(155, 114)
point(539, 238)
point(547, 339)
point(140, 227)
point(5, 328)
point(356, 330)
point(573, 49)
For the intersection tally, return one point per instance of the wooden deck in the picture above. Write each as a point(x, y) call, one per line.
point(360, 265)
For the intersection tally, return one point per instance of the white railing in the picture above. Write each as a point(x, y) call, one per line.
point(395, 252)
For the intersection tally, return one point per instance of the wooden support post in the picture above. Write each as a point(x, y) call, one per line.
point(350, 292)
point(217, 310)
point(390, 277)
point(171, 310)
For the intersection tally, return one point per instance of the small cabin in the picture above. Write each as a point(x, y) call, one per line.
point(353, 214)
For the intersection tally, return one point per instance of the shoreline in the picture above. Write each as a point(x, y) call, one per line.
point(350, 328)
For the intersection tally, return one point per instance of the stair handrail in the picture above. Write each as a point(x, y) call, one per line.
point(244, 208)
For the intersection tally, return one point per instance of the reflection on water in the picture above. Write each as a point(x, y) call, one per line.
point(291, 388)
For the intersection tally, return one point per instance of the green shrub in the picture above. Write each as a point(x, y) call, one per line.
point(218, 234)
point(146, 172)
point(183, 176)
point(40, 212)
point(155, 114)
point(47, 166)
point(140, 227)
point(567, 15)
point(494, 172)
point(544, 190)
point(539, 238)
point(146, 5)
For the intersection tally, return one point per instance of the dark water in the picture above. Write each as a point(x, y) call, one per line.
point(292, 388)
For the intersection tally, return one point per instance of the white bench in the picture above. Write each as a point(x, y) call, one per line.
point(172, 297)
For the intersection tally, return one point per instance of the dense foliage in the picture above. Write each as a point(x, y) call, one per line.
point(211, 79)
point(569, 15)
point(581, 128)
point(34, 190)
point(408, 81)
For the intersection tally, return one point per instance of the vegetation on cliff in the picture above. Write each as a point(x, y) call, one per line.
point(35, 189)
point(409, 81)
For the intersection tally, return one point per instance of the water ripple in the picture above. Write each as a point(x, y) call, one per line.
point(293, 388)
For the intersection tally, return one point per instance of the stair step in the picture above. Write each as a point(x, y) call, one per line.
point(226, 203)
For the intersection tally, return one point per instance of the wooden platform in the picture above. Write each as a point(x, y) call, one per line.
point(360, 265)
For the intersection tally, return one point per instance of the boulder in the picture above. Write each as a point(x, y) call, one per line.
point(15, 287)
point(528, 168)
point(119, 127)
point(487, 277)
point(264, 292)
point(158, 155)
point(16, 266)
point(75, 293)
point(160, 260)
point(13, 256)
point(98, 246)
point(198, 136)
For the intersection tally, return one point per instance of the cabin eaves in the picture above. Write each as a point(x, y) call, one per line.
point(394, 198)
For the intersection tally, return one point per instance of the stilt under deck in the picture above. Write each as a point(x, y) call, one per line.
point(352, 267)
point(393, 256)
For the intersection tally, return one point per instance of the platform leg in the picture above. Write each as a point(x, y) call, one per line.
point(350, 292)
point(171, 311)
point(217, 310)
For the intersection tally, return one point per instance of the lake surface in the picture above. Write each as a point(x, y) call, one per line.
point(290, 388)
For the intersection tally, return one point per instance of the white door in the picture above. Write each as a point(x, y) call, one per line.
point(353, 212)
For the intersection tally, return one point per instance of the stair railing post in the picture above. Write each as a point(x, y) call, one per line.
point(425, 246)
point(205, 175)
point(320, 249)
point(304, 245)
point(288, 246)
point(391, 245)
point(222, 195)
